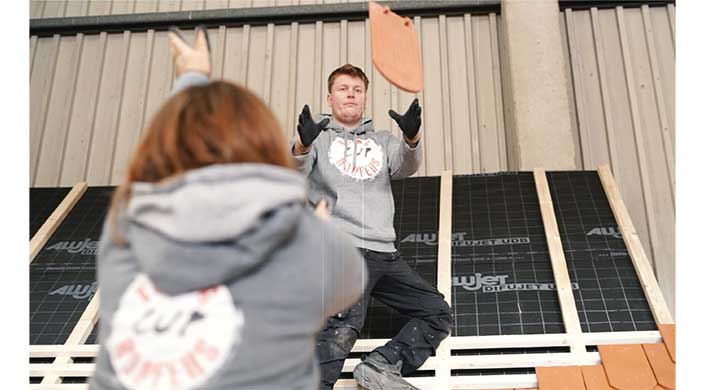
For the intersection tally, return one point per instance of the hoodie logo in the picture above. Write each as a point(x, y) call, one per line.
point(172, 342)
point(361, 159)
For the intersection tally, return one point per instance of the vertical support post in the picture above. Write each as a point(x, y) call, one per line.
point(444, 271)
point(560, 269)
point(540, 132)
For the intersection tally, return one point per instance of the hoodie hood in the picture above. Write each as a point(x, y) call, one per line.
point(214, 224)
point(216, 203)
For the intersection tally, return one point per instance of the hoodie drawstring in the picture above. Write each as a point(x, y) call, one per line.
point(354, 150)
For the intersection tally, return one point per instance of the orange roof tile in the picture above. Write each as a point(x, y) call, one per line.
point(395, 48)
point(661, 364)
point(668, 333)
point(560, 378)
point(627, 367)
point(595, 378)
point(624, 367)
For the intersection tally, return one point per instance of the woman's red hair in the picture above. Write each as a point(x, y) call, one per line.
point(217, 123)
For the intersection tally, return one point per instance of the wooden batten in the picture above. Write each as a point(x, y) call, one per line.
point(445, 225)
point(79, 334)
point(529, 340)
point(654, 296)
point(560, 269)
point(55, 219)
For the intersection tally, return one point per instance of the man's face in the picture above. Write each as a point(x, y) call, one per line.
point(347, 99)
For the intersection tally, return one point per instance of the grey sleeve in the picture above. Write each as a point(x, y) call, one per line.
point(188, 79)
point(404, 161)
point(344, 271)
point(304, 162)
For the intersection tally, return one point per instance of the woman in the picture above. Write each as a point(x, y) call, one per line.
point(213, 272)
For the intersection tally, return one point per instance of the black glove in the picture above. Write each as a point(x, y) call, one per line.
point(410, 122)
point(308, 129)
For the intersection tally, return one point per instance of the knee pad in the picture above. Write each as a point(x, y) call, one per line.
point(336, 344)
point(444, 319)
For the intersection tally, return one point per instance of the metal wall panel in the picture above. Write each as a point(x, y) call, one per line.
point(61, 8)
point(623, 77)
point(92, 95)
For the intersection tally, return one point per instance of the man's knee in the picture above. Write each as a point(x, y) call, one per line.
point(446, 317)
point(443, 316)
point(335, 344)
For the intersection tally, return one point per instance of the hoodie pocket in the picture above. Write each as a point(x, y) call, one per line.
point(345, 206)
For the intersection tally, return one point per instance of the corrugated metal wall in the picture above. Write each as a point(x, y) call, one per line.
point(60, 8)
point(623, 68)
point(91, 95)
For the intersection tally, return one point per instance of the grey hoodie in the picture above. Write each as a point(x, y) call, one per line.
point(224, 283)
point(352, 170)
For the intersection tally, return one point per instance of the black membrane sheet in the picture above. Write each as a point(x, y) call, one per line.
point(62, 276)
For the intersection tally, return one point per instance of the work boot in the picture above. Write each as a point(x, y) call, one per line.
point(376, 373)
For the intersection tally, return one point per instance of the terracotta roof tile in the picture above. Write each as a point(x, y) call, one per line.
point(668, 333)
point(661, 364)
point(560, 378)
point(624, 367)
point(627, 367)
point(595, 378)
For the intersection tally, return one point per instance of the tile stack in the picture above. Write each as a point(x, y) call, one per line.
point(624, 367)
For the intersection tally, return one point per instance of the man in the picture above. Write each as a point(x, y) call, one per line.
point(350, 165)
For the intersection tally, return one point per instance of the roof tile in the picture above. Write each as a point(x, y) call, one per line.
point(661, 364)
point(627, 367)
point(560, 378)
point(668, 333)
point(595, 378)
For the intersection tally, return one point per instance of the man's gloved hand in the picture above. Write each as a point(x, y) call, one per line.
point(410, 122)
point(187, 58)
point(308, 129)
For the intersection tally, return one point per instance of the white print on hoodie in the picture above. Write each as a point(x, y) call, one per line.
point(366, 165)
point(172, 342)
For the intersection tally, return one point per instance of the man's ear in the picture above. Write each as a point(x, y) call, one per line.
point(328, 100)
